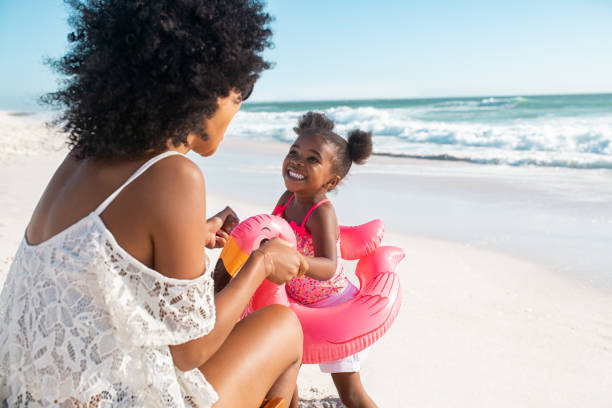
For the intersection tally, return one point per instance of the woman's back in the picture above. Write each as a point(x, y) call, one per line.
point(78, 187)
point(85, 320)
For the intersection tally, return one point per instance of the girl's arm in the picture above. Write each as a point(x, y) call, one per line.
point(323, 226)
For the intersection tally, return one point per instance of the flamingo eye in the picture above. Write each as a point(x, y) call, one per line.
point(265, 234)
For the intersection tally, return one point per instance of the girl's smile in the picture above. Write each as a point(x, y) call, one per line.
point(308, 165)
point(295, 174)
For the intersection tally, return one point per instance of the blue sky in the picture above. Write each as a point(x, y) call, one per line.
point(353, 49)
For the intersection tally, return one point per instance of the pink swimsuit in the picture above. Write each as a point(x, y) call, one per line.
point(303, 288)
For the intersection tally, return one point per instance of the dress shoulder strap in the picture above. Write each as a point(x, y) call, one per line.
point(314, 207)
point(135, 175)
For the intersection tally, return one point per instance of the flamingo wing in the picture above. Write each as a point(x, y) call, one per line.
point(339, 331)
point(361, 240)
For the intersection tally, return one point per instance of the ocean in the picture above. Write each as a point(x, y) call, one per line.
point(572, 131)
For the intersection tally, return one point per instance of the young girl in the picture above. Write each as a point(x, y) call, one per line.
point(317, 161)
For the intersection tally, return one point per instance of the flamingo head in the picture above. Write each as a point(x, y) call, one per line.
point(249, 235)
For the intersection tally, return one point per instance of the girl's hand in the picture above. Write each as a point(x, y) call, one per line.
point(281, 260)
point(220, 227)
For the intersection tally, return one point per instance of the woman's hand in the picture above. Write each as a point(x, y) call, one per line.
point(220, 227)
point(282, 262)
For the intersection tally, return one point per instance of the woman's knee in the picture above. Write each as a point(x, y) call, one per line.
point(286, 324)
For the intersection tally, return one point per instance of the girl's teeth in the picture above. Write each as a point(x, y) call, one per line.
point(296, 175)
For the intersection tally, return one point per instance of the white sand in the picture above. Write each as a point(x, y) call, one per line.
point(29, 154)
point(477, 328)
point(23, 134)
point(482, 329)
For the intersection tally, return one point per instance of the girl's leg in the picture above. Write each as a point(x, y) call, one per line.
point(260, 358)
point(296, 398)
point(351, 390)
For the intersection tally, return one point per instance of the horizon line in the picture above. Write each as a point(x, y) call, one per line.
point(308, 100)
point(426, 97)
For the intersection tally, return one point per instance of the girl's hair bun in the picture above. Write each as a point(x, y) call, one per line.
point(315, 120)
point(359, 145)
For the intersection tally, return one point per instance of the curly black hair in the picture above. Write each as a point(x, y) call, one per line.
point(356, 149)
point(141, 72)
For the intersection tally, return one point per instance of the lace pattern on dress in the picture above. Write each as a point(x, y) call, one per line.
point(150, 309)
point(84, 324)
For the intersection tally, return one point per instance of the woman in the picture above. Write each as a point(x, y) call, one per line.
point(109, 298)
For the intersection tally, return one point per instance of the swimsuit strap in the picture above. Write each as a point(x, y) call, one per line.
point(280, 209)
point(314, 207)
point(284, 207)
point(137, 173)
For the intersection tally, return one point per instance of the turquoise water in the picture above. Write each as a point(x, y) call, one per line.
point(555, 130)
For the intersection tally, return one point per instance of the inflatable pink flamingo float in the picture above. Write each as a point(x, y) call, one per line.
point(330, 333)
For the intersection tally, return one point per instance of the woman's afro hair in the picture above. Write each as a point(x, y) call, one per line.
point(141, 72)
point(356, 149)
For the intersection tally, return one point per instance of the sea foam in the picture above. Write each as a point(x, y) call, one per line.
point(488, 130)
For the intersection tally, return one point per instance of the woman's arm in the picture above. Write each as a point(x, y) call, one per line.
point(179, 234)
point(275, 260)
point(323, 226)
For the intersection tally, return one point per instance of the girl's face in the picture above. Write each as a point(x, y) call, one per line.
point(307, 168)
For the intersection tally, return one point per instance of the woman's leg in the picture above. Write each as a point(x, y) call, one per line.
point(261, 357)
point(351, 390)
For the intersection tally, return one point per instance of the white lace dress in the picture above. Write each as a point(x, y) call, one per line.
point(83, 323)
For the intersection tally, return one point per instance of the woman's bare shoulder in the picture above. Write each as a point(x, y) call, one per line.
point(177, 167)
point(174, 184)
point(175, 198)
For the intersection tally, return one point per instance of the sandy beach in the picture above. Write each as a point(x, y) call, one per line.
point(507, 285)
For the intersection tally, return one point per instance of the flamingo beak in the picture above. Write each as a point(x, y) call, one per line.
point(232, 256)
